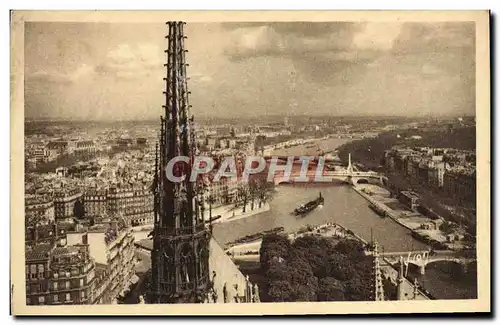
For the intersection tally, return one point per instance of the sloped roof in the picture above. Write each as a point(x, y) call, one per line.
point(39, 252)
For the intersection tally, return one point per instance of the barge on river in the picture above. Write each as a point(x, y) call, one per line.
point(309, 206)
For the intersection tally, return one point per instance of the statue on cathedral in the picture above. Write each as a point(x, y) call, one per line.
point(256, 296)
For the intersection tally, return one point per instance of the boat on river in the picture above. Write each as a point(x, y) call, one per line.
point(309, 206)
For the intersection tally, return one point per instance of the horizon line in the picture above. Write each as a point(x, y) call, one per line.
point(57, 119)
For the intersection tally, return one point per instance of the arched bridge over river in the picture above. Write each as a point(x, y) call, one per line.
point(423, 258)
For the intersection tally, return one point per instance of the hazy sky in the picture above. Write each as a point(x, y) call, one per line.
point(115, 71)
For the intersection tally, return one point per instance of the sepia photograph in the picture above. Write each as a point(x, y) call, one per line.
point(280, 162)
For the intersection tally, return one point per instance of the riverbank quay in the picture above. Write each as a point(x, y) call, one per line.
point(423, 228)
point(227, 213)
point(231, 213)
point(327, 230)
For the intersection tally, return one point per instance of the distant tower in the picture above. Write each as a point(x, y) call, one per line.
point(400, 280)
point(292, 88)
point(180, 256)
point(379, 286)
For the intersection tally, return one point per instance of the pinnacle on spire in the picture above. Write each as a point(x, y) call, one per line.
point(415, 288)
point(400, 280)
point(379, 286)
point(401, 268)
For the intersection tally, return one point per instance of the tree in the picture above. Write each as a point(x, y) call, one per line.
point(339, 267)
point(315, 250)
point(330, 289)
point(304, 283)
point(314, 268)
point(276, 270)
point(243, 195)
point(350, 247)
point(300, 271)
point(267, 191)
point(273, 246)
point(306, 292)
point(448, 227)
point(253, 191)
point(280, 291)
point(358, 289)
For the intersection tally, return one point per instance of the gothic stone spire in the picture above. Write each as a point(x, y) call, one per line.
point(180, 240)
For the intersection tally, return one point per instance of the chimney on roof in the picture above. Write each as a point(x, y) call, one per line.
point(35, 234)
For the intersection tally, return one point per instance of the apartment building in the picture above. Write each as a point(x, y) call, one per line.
point(84, 148)
point(224, 191)
point(460, 184)
point(61, 147)
point(113, 251)
point(44, 234)
point(64, 203)
point(133, 203)
point(40, 207)
point(59, 275)
point(451, 170)
point(95, 203)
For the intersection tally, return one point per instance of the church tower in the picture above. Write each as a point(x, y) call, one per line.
point(180, 256)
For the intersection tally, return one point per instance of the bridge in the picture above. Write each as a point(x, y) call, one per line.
point(346, 175)
point(314, 159)
point(343, 176)
point(423, 258)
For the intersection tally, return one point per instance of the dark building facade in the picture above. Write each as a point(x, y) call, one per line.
point(59, 275)
point(180, 256)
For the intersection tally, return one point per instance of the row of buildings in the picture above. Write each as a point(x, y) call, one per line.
point(450, 170)
point(133, 203)
point(54, 149)
point(68, 268)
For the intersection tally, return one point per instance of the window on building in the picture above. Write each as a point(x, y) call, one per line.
point(54, 285)
point(81, 282)
point(82, 294)
point(68, 297)
point(41, 300)
point(28, 301)
point(34, 288)
point(67, 284)
point(41, 271)
point(56, 298)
